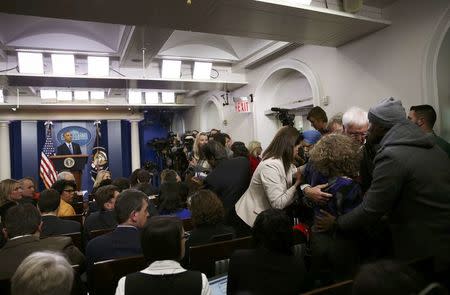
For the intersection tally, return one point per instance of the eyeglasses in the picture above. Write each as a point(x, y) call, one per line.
point(186, 235)
point(69, 190)
point(357, 134)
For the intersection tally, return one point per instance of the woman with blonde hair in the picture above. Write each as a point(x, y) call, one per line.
point(197, 160)
point(254, 151)
point(10, 194)
point(101, 175)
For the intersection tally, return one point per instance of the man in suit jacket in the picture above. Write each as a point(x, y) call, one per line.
point(51, 224)
point(68, 147)
point(131, 213)
point(23, 226)
point(105, 198)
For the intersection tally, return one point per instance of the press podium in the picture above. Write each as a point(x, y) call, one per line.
point(73, 163)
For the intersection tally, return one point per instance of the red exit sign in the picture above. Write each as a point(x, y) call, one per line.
point(242, 106)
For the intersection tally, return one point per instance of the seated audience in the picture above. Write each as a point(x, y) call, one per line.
point(66, 190)
point(424, 116)
point(29, 194)
point(387, 277)
point(66, 175)
point(122, 183)
point(337, 157)
point(239, 149)
point(274, 182)
point(131, 213)
point(270, 268)
point(105, 218)
point(43, 273)
point(23, 228)
point(163, 240)
point(143, 178)
point(51, 224)
point(319, 120)
point(101, 175)
point(229, 178)
point(171, 203)
point(169, 175)
point(208, 216)
point(254, 151)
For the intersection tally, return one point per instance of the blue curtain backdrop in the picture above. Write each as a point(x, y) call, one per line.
point(15, 142)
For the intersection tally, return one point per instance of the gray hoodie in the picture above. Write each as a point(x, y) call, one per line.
point(411, 184)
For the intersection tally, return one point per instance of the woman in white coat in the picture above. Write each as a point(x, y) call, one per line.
point(275, 180)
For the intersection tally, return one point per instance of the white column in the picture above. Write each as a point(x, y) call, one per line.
point(5, 155)
point(135, 148)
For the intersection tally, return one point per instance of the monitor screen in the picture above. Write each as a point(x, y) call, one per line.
point(218, 285)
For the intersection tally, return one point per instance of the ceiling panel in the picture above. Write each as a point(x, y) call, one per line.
point(245, 18)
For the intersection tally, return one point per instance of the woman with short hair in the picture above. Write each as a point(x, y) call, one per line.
point(254, 154)
point(163, 244)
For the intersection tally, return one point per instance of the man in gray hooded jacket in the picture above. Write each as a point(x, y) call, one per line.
point(411, 184)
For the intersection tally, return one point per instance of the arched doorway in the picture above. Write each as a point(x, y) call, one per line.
point(212, 114)
point(287, 81)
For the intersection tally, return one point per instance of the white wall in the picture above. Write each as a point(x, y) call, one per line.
point(386, 63)
point(443, 77)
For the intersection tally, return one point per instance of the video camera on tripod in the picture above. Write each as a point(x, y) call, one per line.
point(283, 115)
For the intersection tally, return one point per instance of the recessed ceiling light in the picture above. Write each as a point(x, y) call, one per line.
point(134, 97)
point(48, 93)
point(202, 70)
point(168, 97)
point(30, 63)
point(63, 64)
point(81, 95)
point(98, 66)
point(171, 69)
point(97, 94)
point(151, 97)
point(64, 95)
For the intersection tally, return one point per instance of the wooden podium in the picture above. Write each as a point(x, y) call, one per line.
point(73, 163)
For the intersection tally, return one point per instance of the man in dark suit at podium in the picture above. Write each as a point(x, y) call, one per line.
point(68, 147)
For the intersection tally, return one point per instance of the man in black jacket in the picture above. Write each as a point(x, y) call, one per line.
point(411, 184)
point(51, 224)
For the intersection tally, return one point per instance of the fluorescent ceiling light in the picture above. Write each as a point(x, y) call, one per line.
point(202, 70)
point(98, 66)
point(134, 97)
point(97, 94)
point(151, 97)
point(48, 94)
point(168, 97)
point(81, 95)
point(30, 63)
point(65, 95)
point(63, 64)
point(171, 69)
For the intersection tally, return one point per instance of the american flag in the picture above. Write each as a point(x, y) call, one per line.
point(47, 169)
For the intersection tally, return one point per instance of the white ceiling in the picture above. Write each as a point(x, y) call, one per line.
point(238, 33)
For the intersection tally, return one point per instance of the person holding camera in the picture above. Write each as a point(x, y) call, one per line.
point(197, 161)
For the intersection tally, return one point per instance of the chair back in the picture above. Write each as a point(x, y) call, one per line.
point(187, 224)
point(341, 288)
point(106, 274)
point(77, 240)
point(204, 257)
point(99, 232)
point(77, 217)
